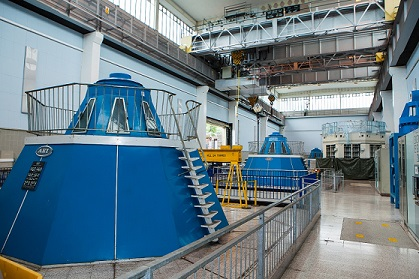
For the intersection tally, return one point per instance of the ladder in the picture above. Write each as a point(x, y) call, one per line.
point(191, 170)
point(198, 188)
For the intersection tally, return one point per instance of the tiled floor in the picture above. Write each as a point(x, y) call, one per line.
point(325, 255)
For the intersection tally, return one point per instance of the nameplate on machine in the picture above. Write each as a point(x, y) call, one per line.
point(33, 176)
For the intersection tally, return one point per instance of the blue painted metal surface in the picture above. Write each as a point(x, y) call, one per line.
point(104, 92)
point(101, 201)
point(315, 153)
point(394, 169)
point(408, 121)
point(275, 143)
point(275, 162)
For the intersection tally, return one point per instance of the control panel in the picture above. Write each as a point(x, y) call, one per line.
point(33, 175)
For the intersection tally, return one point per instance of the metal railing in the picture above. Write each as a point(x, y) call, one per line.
point(58, 109)
point(296, 147)
point(261, 185)
point(115, 22)
point(332, 180)
point(263, 251)
point(346, 127)
point(4, 172)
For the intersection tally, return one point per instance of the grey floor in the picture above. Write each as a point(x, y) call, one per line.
point(325, 255)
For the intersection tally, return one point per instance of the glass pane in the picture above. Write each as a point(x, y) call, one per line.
point(272, 148)
point(84, 117)
point(118, 121)
point(151, 124)
point(284, 149)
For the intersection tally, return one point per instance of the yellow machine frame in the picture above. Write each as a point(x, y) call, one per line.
point(233, 156)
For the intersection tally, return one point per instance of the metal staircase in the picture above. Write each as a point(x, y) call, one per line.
point(188, 134)
point(198, 187)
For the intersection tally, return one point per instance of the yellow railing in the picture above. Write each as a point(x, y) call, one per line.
point(12, 270)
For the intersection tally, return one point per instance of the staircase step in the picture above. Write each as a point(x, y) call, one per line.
point(199, 176)
point(208, 215)
point(187, 149)
point(193, 168)
point(202, 196)
point(212, 225)
point(200, 186)
point(192, 159)
point(205, 205)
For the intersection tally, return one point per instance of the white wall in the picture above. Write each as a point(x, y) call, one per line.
point(60, 53)
point(413, 71)
point(217, 108)
point(309, 129)
point(150, 77)
point(59, 58)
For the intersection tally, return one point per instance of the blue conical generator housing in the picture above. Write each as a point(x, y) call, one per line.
point(121, 181)
point(275, 153)
point(274, 168)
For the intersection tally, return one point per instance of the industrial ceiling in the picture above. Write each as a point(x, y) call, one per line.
point(291, 42)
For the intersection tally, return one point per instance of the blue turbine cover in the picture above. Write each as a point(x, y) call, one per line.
point(117, 105)
point(275, 143)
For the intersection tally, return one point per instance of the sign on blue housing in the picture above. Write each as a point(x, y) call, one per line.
point(44, 151)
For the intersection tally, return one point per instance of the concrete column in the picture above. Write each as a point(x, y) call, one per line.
point(233, 117)
point(400, 94)
point(91, 57)
point(263, 127)
point(201, 97)
point(387, 113)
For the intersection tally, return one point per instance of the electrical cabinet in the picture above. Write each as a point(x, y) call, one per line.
point(409, 180)
point(382, 169)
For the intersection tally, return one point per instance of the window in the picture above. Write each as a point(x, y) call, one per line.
point(118, 121)
point(412, 111)
point(284, 149)
point(347, 151)
point(143, 10)
point(356, 150)
point(373, 148)
point(272, 148)
point(330, 151)
point(172, 27)
point(150, 121)
point(326, 102)
point(84, 117)
point(169, 25)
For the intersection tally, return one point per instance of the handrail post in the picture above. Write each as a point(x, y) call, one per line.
point(294, 222)
point(310, 205)
point(261, 247)
point(204, 159)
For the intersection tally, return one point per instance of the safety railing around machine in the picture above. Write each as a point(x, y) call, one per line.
point(56, 110)
point(4, 172)
point(297, 147)
point(332, 179)
point(361, 126)
point(262, 251)
point(261, 185)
